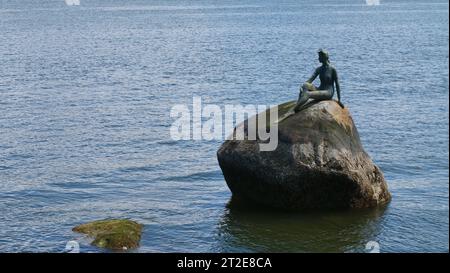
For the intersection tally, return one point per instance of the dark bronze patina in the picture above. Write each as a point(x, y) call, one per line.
point(328, 80)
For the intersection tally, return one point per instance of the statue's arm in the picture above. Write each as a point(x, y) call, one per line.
point(314, 76)
point(338, 87)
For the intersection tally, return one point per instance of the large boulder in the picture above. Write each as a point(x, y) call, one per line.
point(319, 163)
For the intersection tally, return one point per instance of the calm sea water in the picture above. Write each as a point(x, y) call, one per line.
point(85, 95)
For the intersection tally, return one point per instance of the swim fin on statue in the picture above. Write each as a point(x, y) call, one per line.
point(302, 100)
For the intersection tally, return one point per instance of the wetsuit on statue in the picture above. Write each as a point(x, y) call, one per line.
point(328, 78)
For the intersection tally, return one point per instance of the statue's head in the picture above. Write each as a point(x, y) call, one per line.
point(323, 56)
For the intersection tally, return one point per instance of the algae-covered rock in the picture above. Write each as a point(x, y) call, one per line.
point(319, 163)
point(112, 233)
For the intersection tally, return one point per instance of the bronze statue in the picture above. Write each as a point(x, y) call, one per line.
point(328, 79)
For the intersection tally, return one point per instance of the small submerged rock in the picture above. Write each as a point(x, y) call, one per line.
point(112, 233)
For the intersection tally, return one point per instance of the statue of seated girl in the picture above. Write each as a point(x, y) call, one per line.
point(328, 79)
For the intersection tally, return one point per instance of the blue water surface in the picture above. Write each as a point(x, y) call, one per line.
point(86, 92)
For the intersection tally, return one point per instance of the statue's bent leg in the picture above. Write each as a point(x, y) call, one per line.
point(304, 96)
point(316, 95)
point(309, 86)
point(321, 95)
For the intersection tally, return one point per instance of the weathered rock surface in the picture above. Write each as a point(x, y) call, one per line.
point(112, 234)
point(319, 163)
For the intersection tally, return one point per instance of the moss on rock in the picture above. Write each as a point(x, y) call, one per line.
point(112, 233)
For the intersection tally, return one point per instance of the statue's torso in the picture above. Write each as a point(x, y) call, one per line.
point(326, 78)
